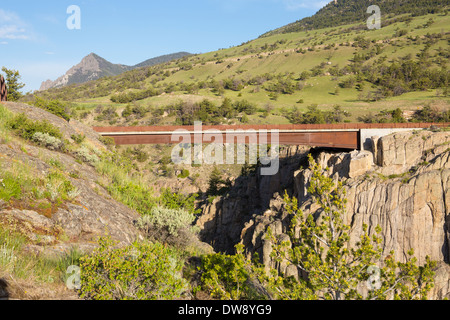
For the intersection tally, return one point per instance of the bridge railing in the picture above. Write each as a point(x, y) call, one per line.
point(287, 127)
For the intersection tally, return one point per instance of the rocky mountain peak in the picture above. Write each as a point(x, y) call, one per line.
point(93, 67)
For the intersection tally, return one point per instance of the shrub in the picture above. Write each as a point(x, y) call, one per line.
point(48, 141)
point(58, 188)
point(55, 107)
point(141, 271)
point(184, 174)
point(26, 128)
point(174, 200)
point(85, 155)
point(228, 277)
point(245, 106)
point(78, 138)
point(169, 220)
point(10, 187)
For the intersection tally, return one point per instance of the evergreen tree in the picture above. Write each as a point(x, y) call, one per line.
point(13, 85)
point(319, 247)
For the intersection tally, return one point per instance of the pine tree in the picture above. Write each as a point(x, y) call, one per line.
point(13, 84)
point(319, 247)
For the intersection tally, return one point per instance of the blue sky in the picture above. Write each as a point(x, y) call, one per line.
point(35, 40)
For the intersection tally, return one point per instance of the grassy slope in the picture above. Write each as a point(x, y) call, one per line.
point(249, 60)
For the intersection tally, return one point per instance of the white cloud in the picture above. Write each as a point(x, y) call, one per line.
point(12, 27)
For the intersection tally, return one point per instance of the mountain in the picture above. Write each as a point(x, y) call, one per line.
point(94, 67)
point(342, 12)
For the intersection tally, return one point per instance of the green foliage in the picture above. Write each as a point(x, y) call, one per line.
point(138, 111)
point(385, 116)
point(26, 128)
point(133, 194)
point(78, 138)
point(12, 84)
point(245, 106)
point(184, 174)
point(134, 95)
point(10, 187)
point(136, 153)
point(431, 115)
point(342, 12)
point(23, 264)
point(228, 277)
point(170, 220)
point(141, 271)
point(316, 116)
point(406, 75)
point(318, 246)
point(86, 155)
point(55, 107)
point(58, 188)
point(174, 200)
point(217, 185)
point(48, 141)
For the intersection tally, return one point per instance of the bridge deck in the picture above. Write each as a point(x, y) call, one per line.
point(346, 136)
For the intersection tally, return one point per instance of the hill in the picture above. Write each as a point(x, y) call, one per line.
point(94, 67)
point(162, 59)
point(342, 12)
point(283, 78)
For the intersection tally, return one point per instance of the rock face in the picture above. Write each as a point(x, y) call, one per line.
point(92, 67)
point(79, 222)
point(404, 187)
point(224, 218)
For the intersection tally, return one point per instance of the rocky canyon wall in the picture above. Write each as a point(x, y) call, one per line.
point(403, 186)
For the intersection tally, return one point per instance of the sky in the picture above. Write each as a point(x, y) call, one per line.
point(35, 38)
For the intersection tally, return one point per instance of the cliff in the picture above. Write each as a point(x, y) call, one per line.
point(403, 186)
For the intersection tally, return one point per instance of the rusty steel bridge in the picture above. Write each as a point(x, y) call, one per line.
point(342, 136)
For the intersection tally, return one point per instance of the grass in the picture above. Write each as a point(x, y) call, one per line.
point(5, 117)
point(14, 261)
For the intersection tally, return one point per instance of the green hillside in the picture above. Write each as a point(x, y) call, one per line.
point(274, 79)
point(342, 12)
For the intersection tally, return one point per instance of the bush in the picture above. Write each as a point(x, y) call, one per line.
point(10, 187)
point(46, 140)
point(26, 128)
point(85, 155)
point(78, 138)
point(141, 271)
point(169, 220)
point(229, 277)
point(55, 107)
point(184, 174)
point(245, 106)
point(429, 114)
point(173, 200)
